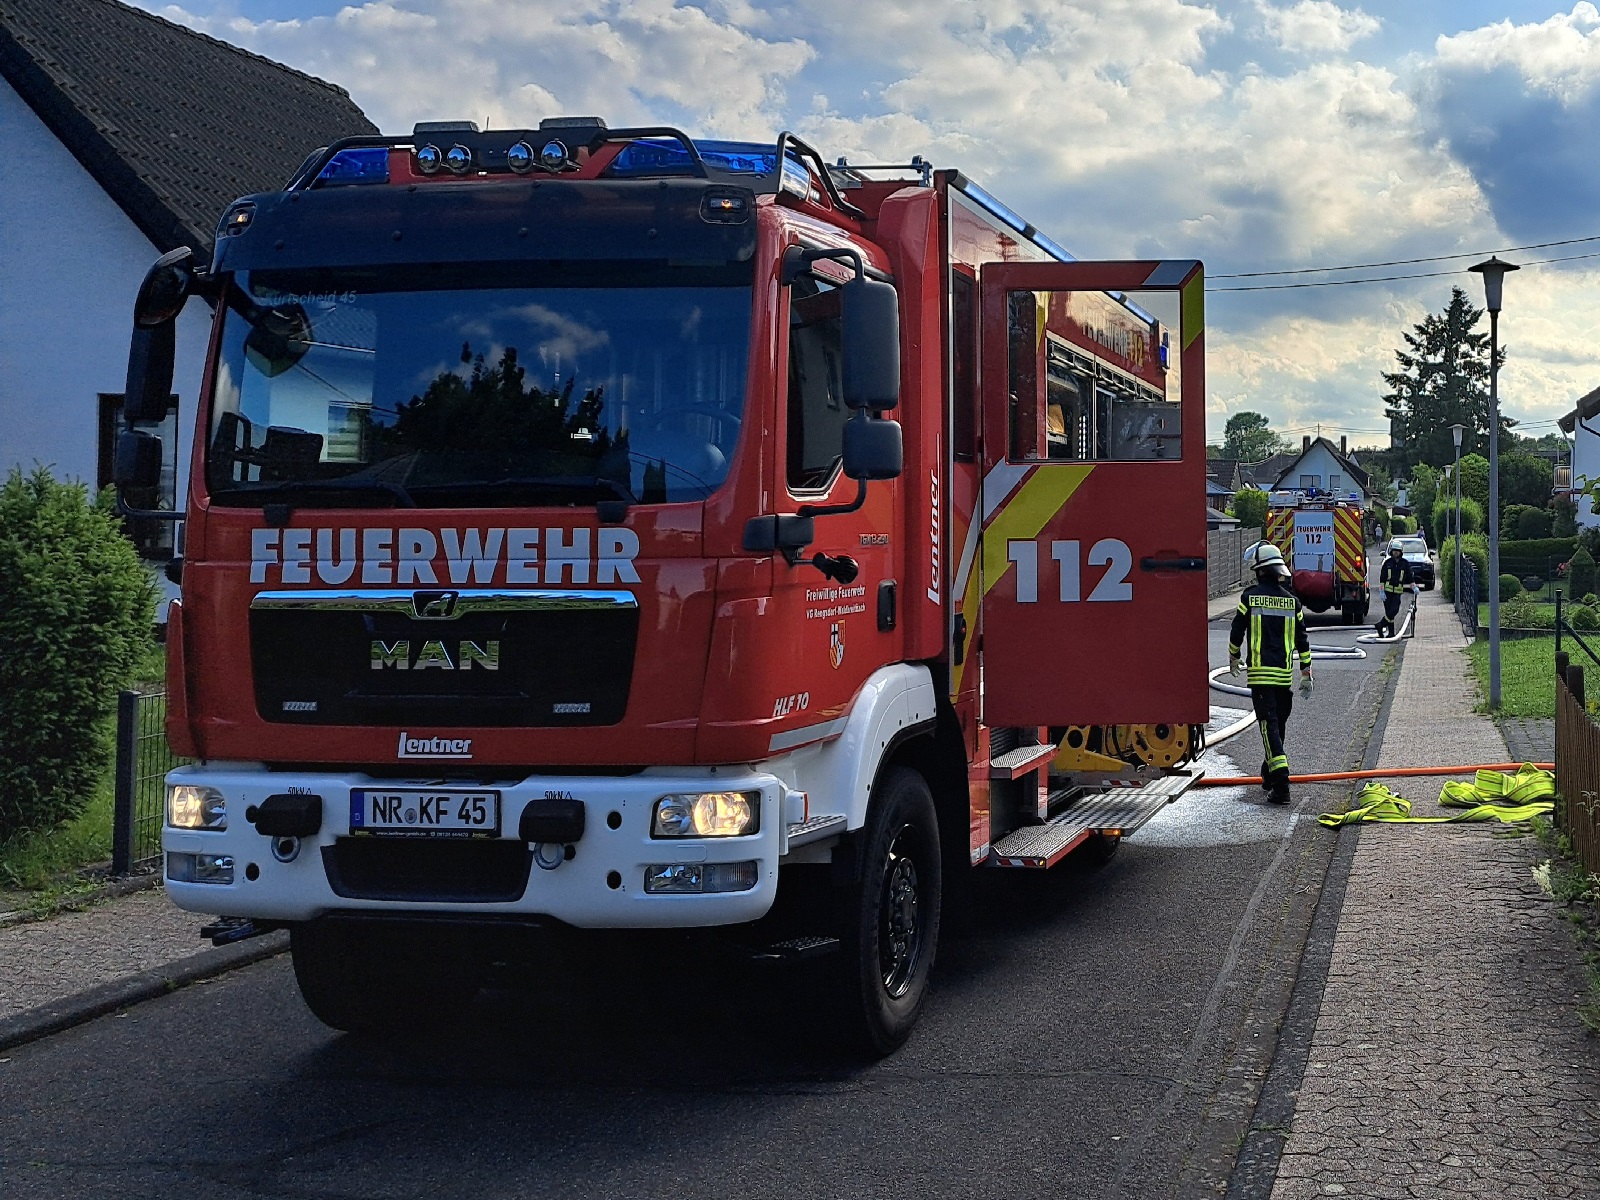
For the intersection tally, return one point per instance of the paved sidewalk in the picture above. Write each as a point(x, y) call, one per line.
point(1448, 1059)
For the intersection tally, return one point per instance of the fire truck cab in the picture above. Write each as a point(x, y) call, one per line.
point(600, 528)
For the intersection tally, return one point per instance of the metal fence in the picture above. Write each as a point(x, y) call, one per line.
point(1225, 559)
point(143, 760)
point(1577, 811)
point(1467, 597)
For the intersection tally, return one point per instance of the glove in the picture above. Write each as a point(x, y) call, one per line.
point(1233, 665)
point(1305, 685)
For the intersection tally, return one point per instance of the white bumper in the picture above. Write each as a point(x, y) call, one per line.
point(600, 886)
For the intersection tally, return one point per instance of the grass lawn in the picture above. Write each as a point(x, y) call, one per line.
point(35, 861)
point(1549, 610)
point(1527, 675)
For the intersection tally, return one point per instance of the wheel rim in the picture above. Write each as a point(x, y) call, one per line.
point(900, 927)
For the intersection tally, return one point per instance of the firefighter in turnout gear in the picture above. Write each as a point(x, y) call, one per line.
point(1396, 579)
point(1270, 623)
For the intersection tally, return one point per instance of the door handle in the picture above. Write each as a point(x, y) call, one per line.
point(1172, 564)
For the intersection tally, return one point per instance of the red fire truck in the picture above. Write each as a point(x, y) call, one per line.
point(598, 528)
point(1322, 537)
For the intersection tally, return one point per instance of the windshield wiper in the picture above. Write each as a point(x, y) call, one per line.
point(554, 483)
point(401, 497)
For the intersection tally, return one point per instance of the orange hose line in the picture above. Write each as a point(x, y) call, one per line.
point(1381, 773)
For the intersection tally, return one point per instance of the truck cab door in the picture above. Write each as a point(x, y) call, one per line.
point(1093, 504)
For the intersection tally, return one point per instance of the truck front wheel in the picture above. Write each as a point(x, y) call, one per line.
point(363, 977)
point(892, 920)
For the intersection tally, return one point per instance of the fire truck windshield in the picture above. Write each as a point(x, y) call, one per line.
point(461, 387)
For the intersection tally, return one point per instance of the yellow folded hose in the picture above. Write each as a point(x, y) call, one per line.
point(1492, 796)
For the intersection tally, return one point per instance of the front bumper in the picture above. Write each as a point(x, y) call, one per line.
point(601, 884)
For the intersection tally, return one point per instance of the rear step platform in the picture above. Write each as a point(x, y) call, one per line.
point(1115, 813)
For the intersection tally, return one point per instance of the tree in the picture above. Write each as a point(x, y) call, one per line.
point(1249, 437)
point(1443, 380)
point(1475, 479)
point(1250, 507)
point(1422, 493)
point(1525, 480)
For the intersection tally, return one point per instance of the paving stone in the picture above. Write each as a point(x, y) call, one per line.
point(1448, 1059)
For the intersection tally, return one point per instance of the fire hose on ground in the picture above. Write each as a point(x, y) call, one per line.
point(1350, 653)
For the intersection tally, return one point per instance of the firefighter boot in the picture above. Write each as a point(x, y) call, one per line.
point(1266, 780)
point(1278, 786)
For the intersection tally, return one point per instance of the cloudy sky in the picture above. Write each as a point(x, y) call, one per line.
point(1257, 135)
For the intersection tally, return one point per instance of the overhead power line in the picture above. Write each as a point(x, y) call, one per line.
point(1407, 262)
point(1320, 283)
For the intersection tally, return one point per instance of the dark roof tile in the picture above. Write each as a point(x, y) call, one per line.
point(173, 124)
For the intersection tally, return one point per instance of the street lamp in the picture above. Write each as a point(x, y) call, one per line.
point(1455, 432)
point(1494, 271)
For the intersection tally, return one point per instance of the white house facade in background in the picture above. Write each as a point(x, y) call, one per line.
point(71, 262)
point(1324, 468)
point(1583, 424)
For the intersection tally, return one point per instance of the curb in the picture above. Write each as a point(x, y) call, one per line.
point(85, 1006)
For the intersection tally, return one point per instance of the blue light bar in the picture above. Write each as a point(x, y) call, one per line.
point(655, 157)
point(652, 156)
point(365, 164)
point(1053, 248)
point(994, 206)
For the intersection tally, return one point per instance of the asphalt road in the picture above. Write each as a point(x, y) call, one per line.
point(1096, 1034)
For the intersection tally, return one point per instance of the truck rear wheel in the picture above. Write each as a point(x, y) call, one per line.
point(891, 923)
point(360, 977)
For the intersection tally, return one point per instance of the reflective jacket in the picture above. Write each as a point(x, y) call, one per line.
point(1270, 619)
point(1395, 576)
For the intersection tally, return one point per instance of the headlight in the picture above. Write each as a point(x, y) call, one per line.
point(707, 814)
point(190, 807)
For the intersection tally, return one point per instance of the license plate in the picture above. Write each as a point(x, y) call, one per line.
point(424, 812)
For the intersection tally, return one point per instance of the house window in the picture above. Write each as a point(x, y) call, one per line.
point(1310, 481)
point(153, 539)
point(1333, 483)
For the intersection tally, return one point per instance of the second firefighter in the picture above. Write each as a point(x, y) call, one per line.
point(1270, 627)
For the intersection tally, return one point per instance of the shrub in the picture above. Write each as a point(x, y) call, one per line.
point(1250, 507)
point(1510, 586)
point(76, 607)
point(1444, 516)
point(1580, 573)
point(1521, 613)
point(1475, 547)
point(1402, 526)
point(1564, 517)
point(1592, 600)
point(1582, 617)
point(1531, 522)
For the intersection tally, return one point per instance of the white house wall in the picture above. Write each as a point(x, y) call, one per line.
point(1586, 466)
point(1320, 462)
point(70, 264)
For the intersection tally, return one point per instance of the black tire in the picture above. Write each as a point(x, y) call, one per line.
point(891, 918)
point(1098, 850)
point(363, 977)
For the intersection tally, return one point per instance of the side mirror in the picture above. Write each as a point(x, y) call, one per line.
point(137, 465)
point(870, 337)
point(167, 285)
point(149, 385)
point(873, 449)
point(777, 533)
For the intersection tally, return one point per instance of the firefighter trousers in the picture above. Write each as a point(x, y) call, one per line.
point(1273, 705)
point(1391, 610)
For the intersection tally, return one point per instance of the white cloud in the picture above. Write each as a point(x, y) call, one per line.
point(1560, 56)
point(1316, 26)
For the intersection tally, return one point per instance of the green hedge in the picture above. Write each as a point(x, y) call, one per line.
point(1444, 516)
point(1474, 546)
point(1559, 549)
point(76, 610)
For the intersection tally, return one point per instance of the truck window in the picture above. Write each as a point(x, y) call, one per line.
point(963, 378)
point(816, 410)
point(1090, 376)
point(469, 387)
